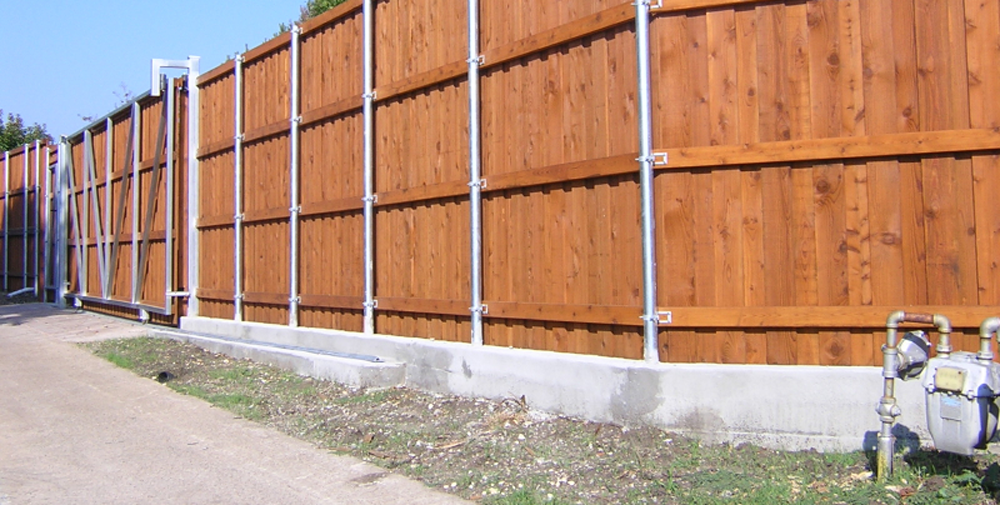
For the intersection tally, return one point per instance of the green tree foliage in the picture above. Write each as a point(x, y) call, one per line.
point(311, 9)
point(314, 8)
point(14, 133)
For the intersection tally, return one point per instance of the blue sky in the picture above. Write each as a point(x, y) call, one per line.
point(62, 60)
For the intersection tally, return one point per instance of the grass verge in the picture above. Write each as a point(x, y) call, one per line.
point(504, 453)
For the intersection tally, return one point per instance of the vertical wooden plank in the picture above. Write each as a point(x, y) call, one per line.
point(723, 76)
point(832, 252)
point(729, 281)
point(777, 191)
point(746, 74)
point(804, 250)
point(753, 258)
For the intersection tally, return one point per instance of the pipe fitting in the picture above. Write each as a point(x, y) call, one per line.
point(987, 329)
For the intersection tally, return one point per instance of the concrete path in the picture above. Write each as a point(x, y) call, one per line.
point(76, 429)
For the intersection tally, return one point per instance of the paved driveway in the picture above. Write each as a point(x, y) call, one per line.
point(75, 429)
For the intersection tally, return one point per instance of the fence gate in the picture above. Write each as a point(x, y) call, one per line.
point(120, 178)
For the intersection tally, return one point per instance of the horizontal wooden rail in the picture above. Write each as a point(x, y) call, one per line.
point(837, 148)
point(686, 158)
point(265, 298)
point(126, 238)
point(215, 294)
point(554, 312)
point(423, 306)
point(332, 302)
point(843, 317)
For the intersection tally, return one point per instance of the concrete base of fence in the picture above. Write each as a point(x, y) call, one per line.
point(781, 407)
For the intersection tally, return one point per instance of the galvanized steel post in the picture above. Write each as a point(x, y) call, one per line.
point(6, 220)
point(49, 267)
point(38, 228)
point(475, 178)
point(238, 189)
point(294, 119)
point(650, 348)
point(108, 162)
point(137, 136)
point(194, 195)
point(62, 241)
point(168, 181)
point(368, 13)
point(24, 222)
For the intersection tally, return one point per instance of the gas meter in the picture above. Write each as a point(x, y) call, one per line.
point(961, 409)
point(961, 388)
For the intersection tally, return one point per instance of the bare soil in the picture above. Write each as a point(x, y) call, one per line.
point(504, 452)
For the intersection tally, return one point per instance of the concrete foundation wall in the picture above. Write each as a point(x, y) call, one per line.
point(782, 407)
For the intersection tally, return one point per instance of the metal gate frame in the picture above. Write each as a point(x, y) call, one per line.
point(72, 214)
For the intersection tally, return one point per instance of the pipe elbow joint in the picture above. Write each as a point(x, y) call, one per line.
point(943, 323)
point(989, 326)
point(895, 318)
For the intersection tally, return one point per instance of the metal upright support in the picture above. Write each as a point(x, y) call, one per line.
point(238, 190)
point(108, 163)
point(136, 157)
point(38, 228)
point(90, 174)
point(62, 228)
point(194, 187)
point(475, 177)
point(6, 221)
point(24, 221)
point(83, 222)
point(368, 13)
point(168, 280)
point(646, 159)
point(49, 268)
point(295, 169)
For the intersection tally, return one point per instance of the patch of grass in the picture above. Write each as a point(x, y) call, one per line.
point(119, 360)
point(501, 453)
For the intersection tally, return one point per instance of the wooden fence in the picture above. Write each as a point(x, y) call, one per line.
point(126, 177)
point(23, 216)
point(828, 162)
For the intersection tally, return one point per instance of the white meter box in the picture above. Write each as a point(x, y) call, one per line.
point(961, 411)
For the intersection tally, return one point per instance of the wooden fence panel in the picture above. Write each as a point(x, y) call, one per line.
point(829, 161)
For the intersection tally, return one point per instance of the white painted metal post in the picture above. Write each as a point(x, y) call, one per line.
point(238, 190)
point(475, 178)
point(368, 13)
point(295, 173)
point(651, 319)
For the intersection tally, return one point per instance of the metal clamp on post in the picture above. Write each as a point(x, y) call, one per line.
point(654, 318)
point(239, 218)
point(295, 299)
point(296, 120)
point(238, 297)
point(482, 309)
point(649, 3)
point(238, 138)
point(370, 305)
point(481, 184)
point(373, 199)
point(295, 210)
point(657, 159)
point(369, 96)
point(479, 60)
